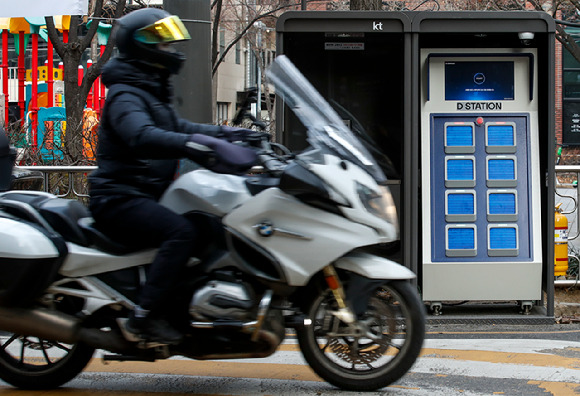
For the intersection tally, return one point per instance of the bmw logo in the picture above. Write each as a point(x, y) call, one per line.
point(265, 229)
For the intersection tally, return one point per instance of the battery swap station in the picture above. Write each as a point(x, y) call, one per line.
point(483, 173)
point(462, 103)
point(482, 229)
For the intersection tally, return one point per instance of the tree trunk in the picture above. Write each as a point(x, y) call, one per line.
point(75, 95)
point(74, 103)
point(366, 5)
point(568, 42)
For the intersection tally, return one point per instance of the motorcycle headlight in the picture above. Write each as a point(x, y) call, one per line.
point(379, 204)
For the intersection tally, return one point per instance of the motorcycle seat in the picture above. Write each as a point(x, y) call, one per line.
point(69, 218)
point(63, 215)
point(60, 214)
point(100, 240)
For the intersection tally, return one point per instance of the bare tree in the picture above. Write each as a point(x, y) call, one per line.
point(366, 5)
point(239, 17)
point(564, 13)
point(251, 24)
point(71, 54)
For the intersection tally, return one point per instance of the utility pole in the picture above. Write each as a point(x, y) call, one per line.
point(193, 98)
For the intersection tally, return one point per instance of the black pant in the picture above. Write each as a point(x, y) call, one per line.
point(141, 223)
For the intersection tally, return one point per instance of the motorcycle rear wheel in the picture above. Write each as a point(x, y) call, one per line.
point(365, 362)
point(33, 363)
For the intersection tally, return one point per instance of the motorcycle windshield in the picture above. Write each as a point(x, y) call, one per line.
point(326, 130)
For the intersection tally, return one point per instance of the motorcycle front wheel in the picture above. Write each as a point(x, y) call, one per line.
point(374, 354)
point(33, 363)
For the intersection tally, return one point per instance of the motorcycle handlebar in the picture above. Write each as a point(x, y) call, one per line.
point(271, 161)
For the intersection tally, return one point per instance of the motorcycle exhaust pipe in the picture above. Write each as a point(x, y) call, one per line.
point(58, 326)
point(267, 338)
point(40, 322)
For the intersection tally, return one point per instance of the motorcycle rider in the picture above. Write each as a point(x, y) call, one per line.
point(141, 139)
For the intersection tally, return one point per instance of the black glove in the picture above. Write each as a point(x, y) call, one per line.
point(220, 155)
point(196, 149)
point(253, 138)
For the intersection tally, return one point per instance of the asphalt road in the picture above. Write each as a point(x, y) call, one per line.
point(456, 360)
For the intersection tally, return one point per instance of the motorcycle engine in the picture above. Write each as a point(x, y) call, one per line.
point(222, 300)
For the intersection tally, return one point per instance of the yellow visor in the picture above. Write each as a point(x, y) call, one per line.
point(166, 30)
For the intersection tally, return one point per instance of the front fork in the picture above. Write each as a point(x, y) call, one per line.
point(344, 313)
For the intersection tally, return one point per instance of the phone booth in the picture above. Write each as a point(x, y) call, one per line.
point(358, 61)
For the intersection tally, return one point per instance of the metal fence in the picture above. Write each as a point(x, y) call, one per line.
point(62, 181)
point(71, 182)
point(567, 192)
point(568, 196)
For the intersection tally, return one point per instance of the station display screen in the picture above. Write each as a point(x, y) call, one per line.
point(471, 80)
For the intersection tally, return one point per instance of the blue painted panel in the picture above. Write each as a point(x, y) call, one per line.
point(51, 129)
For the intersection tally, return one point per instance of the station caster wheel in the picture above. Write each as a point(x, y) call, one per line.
point(436, 308)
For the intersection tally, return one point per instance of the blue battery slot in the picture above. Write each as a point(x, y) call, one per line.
point(459, 139)
point(501, 138)
point(503, 241)
point(460, 172)
point(461, 241)
point(501, 172)
point(460, 206)
point(480, 206)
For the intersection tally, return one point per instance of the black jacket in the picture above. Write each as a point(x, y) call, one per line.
point(141, 136)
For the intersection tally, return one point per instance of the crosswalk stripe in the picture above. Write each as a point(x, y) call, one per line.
point(235, 369)
point(547, 362)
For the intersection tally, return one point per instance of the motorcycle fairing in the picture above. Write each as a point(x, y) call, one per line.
point(373, 267)
point(83, 261)
point(342, 176)
point(214, 193)
point(304, 239)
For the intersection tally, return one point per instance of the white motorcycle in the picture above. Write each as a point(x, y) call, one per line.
point(294, 247)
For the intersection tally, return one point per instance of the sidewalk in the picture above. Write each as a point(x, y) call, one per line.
point(481, 313)
point(567, 304)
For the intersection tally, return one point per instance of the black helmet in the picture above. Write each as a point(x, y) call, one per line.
point(138, 34)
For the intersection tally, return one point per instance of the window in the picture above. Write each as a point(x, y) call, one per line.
point(238, 53)
point(222, 40)
point(222, 113)
point(570, 96)
point(238, 49)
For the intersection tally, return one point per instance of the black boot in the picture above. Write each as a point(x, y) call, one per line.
point(153, 329)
